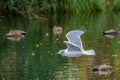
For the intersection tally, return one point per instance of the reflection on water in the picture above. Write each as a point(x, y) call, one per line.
point(69, 71)
point(35, 57)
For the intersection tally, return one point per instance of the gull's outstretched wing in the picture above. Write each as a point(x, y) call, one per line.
point(72, 47)
point(74, 37)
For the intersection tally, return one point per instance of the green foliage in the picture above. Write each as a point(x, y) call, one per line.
point(59, 6)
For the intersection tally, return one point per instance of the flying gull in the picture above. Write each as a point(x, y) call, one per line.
point(74, 45)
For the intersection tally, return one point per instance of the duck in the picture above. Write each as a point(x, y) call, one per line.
point(102, 68)
point(112, 33)
point(105, 67)
point(15, 34)
point(57, 30)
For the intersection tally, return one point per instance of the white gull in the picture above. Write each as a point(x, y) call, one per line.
point(74, 45)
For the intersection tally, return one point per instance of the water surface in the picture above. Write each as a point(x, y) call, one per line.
point(35, 56)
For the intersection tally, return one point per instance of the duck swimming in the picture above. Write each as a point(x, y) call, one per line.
point(112, 33)
point(103, 69)
point(57, 30)
point(15, 34)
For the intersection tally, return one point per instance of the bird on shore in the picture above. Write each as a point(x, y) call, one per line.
point(74, 45)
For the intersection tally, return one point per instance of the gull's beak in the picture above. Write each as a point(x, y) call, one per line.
point(58, 52)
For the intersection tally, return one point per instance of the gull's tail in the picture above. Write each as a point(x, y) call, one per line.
point(89, 52)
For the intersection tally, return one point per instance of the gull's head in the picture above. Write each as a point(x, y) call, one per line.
point(62, 52)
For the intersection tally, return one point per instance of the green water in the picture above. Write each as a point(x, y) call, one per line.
point(35, 57)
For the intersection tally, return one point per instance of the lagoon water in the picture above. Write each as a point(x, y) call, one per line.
point(35, 57)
